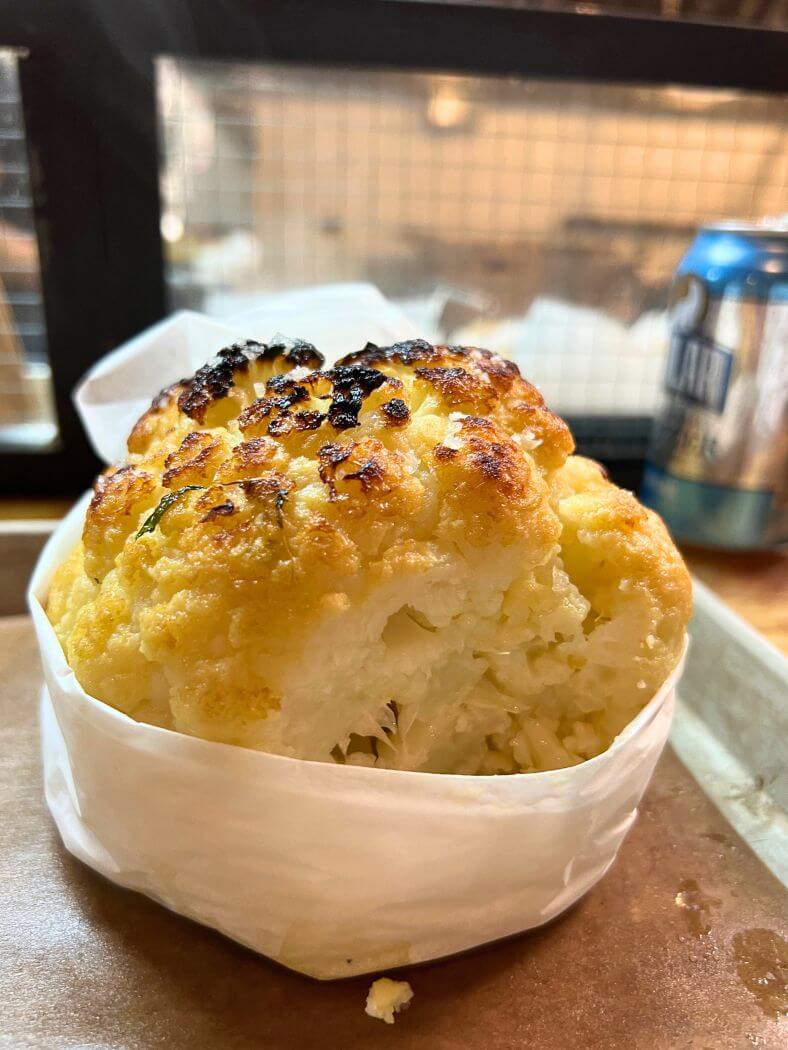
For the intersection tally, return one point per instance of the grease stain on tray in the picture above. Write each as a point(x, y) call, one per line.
point(697, 906)
point(762, 965)
point(722, 839)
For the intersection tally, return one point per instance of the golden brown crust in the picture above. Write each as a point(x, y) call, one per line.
point(193, 462)
point(157, 422)
point(262, 501)
point(242, 417)
point(480, 383)
point(119, 497)
point(608, 535)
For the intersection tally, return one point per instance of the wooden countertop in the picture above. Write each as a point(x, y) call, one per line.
point(32, 510)
point(754, 585)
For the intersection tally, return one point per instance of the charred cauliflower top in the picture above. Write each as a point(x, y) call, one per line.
point(394, 561)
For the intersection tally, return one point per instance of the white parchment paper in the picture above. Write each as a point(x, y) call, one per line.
point(330, 870)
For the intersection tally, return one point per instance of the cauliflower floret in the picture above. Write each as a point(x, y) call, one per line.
point(370, 564)
point(386, 998)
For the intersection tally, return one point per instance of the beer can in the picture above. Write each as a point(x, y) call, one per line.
point(717, 468)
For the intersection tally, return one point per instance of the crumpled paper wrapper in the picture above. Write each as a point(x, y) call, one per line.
point(330, 870)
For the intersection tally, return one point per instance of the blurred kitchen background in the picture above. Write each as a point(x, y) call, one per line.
point(542, 219)
point(167, 160)
point(27, 411)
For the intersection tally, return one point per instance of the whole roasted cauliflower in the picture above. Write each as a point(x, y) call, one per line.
point(395, 561)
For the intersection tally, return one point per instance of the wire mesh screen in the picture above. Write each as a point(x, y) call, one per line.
point(26, 409)
point(541, 219)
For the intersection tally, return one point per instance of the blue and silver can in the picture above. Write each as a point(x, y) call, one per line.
point(717, 469)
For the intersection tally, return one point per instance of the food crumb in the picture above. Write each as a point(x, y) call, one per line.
point(387, 997)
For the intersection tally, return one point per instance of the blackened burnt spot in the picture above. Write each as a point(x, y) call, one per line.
point(496, 462)
point(315, 379)
point(500, 371)
point(329, 458)
point(482, 363)
point(214, 380)
point(351, 385)
point(332, 455)
point(256, 412)
point(307, 420)
point(396, 412)
point(284, 393)
point(286, 422)
point(445, 454)
point(281, 395)
point(490, 461)
point(477, 423)
point(409, 353)
point(220, 510)
point(368, 474)
point(283, 424)
point(288, 391)
point(297, 352)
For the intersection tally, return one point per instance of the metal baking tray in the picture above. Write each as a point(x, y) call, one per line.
point(682, 946)
point(731, 726)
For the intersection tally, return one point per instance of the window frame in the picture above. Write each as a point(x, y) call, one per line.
point(89, 100)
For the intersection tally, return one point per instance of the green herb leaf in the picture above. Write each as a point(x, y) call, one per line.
point(164, 505)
